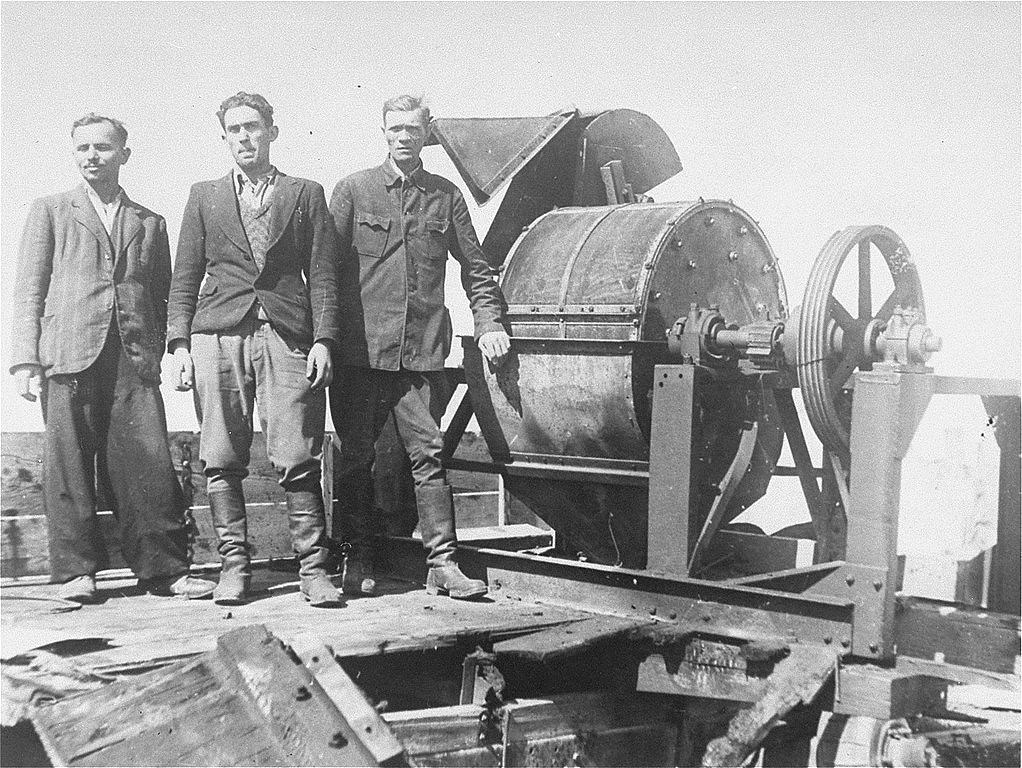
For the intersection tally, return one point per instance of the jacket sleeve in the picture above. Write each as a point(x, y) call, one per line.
point(159, 286)
point(477, 276)
point(323, 269)
point(189, 269)
point(32, 282)
point(352, 344)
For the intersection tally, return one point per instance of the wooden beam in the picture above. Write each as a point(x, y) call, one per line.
point(958, 634)
point(566, 640)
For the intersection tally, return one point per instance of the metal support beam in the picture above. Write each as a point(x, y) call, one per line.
point(670, 468)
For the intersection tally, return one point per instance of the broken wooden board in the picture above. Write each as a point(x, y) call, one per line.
point(248, 702)
point(566, 640)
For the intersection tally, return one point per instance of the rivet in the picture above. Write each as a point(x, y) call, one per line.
point(673, 615)
point(706, 617)
point(849, 580)
point(878, 585)
point(691, 264)
point(873, 647)
point(652, 611)
point(656, 295)
point(743, 230)
point(828, 640)
point(302, 694)
point(678, 243)
point(768, 268)
point(733, 256)
point(845, 642)
point(710, 221)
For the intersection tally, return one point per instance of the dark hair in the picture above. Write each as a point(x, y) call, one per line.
point(406, 103)
point(92, 118)
point(242, 99)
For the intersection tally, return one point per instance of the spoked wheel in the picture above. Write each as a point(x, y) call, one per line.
point(832, 342)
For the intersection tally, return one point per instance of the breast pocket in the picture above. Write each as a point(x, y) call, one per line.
point(371, 233)
point(436, 231)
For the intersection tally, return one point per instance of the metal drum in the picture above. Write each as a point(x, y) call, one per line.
point(591, 294)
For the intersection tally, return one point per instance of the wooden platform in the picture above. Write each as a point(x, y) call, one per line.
point(133, 630)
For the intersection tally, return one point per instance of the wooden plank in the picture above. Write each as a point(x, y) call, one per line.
point(958, 634)
point(245, 703)
point(886, 694)
point(363, 718)
point(567, 640)
point(795, 680)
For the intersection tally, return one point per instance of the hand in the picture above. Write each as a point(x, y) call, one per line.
point(495, 345)
point(23, 378)
point(319, 369)
point(185, 369)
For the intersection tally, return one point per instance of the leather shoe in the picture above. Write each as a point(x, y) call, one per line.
point(81, 589)
point(447, 579)
point(319, 592)
point(184, 586)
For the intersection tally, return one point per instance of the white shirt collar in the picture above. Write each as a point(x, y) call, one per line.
point(106, 211)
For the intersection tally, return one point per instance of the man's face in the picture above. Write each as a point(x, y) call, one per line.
point(98, 152)
point(248, 137)
point(406, 134)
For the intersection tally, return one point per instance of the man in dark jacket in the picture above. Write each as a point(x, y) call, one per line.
point(90, 318)
point(396, 224)
point(253, 316)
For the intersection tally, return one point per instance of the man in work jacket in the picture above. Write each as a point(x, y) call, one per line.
point(396, 224)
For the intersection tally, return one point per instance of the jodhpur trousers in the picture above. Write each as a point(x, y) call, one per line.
point(253, 365)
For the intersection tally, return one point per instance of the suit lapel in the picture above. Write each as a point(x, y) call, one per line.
point(282, 205)
point(225, 212)
point(86, 215)
point(129, 226)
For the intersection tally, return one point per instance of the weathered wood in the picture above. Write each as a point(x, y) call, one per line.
point(973, 746)
point(886, 694)
point(363, 718)
point(795, 680)
point(958, 634)
point(246, 703)
point(567, 640)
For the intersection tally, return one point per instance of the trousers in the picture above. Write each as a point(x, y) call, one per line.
point(106, 428)
point(248, 366)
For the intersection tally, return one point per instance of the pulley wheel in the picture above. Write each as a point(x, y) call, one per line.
point(832, 341)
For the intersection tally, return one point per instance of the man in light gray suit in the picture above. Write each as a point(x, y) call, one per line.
point(89, 324)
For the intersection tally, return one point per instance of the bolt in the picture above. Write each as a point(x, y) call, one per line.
point(849, 579)
point(656, 295)
point(652, 611)
point(845, 642)
point(338, 741)
point(678, 243)
point(691, 264)
point(873, 647)
point(706, 617)
point(673, 614)
point(828, 640)
point(302, 694)
point(768, 268)
point(710, 221)
point(743, 230)
point(733, 256)
point(878, 585)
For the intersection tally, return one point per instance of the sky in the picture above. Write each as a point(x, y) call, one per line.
point(811, 117)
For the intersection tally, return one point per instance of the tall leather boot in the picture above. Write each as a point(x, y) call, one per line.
point(359, 574)
point(436, 521)
point(307, 522)
point(228, 512)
